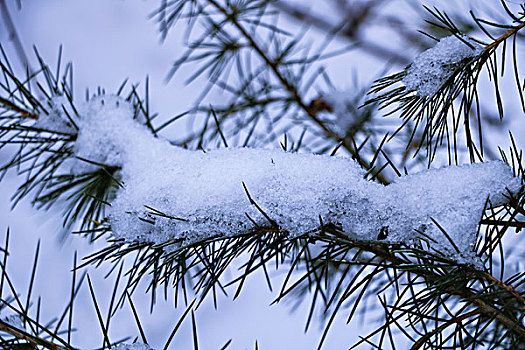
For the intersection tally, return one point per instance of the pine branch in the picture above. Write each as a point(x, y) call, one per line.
point(498, 41)
point(431, 111)
point(351, 26)
point(441, 275)
point(434, 297)
point(10, 105)
point(32, 340)
point(292, 90)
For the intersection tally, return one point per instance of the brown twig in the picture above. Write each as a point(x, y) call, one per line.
point(509, 289)
point(450, 322)
point(33, 340)
point(10, 105)
point(504, 37)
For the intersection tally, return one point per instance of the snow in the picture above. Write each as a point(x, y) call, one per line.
point(56, 119)
point(455, 197)
point(435, 66)
point(105, 130)
point(134, 346)
point(170, 193)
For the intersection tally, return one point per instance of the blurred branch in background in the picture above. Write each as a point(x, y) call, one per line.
point(355, 16)
point(13, 34)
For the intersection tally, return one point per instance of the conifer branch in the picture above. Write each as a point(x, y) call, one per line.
point(308, 109)
point(493, 45)
point(437, 291)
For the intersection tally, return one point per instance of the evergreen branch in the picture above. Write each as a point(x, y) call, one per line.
point(509, 289)
point(31, 339)
point(432, 291)
point(431, 112)
point(292, 89)
point(513, 31)
point(441, 275)
point(348, 30)
point(10, 105)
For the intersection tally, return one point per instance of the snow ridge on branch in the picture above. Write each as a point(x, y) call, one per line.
point(172, 194)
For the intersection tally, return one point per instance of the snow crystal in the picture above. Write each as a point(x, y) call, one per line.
point(56, 119)
point(434, 66)
point(170, 193)
point(134, 346)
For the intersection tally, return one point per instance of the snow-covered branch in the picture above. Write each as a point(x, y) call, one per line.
point(172, 194)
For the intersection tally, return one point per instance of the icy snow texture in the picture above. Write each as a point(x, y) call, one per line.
point(135, 346)
point(454, 197)
point(205, 190)
point(56, 119)
point(434, 66)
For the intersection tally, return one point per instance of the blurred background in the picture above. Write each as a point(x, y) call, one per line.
point(109, 41)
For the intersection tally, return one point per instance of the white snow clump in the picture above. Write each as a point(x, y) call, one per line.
point(203, 194)
point(434, 66)
point(56, 120)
